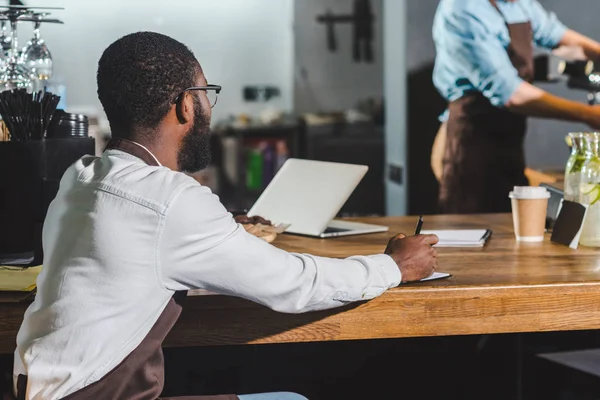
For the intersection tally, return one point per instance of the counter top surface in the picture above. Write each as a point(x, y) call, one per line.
point(504, 287)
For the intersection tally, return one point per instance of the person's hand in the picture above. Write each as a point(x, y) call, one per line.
point(593, 117)
point(414, 255)
point(258, 226)
point(244, 219)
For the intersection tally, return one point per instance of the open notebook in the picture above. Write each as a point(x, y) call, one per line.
point(461, 237)
point(432, 277)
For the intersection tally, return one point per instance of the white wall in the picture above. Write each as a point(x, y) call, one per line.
point(238, 42)
point(326, 81)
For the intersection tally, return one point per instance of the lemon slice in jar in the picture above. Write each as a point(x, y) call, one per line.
point(587, 188)
point(591, 190)
point(569, 141)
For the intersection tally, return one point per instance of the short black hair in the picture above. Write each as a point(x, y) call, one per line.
point(139, 78)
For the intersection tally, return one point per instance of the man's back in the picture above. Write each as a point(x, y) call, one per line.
point(100, 249)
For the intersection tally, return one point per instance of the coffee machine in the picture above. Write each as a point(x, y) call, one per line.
point(578, 74)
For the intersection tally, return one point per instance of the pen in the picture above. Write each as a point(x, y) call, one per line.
point(419, 225)
point(487, 235)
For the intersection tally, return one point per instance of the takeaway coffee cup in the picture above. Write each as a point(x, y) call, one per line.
point(529, 205)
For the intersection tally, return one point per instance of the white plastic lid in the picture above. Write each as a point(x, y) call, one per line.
point(529, 193)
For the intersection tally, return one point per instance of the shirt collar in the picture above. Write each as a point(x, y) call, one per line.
point(148, 151)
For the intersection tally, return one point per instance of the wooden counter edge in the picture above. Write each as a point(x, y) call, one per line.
point(399, 313)
point(396, 314)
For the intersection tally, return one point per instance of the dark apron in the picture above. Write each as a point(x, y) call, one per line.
point(140, 376)
point(484, 156)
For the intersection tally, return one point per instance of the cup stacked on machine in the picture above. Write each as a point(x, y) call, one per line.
point(67, 125)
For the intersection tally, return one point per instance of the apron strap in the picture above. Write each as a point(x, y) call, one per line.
point(493, 2)
point(21, 386)
point(495, 5)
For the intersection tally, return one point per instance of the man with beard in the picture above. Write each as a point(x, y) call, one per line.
point(128, 234)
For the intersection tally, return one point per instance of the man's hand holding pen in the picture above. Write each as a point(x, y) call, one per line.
point(415, 256)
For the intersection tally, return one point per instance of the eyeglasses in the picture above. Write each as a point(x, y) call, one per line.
point(212, 92)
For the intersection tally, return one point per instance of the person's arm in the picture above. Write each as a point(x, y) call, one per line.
point(575, 40)
point(437, 152)
point(202, 247)
point(550, 33)
point(492, 72)
point(535, 102)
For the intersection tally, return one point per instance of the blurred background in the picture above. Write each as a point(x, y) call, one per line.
point(334, 80)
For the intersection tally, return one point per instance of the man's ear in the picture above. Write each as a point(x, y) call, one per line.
point(184, 108)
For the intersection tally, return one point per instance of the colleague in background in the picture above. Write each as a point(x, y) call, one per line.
point(484, 68)
point(128, 233)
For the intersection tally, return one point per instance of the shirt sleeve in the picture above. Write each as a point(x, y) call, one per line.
point(548, 31)
point(443, 117)
point(484, 59)
point(202, 247)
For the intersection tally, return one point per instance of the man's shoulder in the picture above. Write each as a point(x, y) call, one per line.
point(151, 186)
point(465, 8)
point(467, 17)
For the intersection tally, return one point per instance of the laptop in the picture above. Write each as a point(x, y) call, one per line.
point(307, 195)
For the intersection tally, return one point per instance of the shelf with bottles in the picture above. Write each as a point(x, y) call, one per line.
point(263, 157)
point(249, 158)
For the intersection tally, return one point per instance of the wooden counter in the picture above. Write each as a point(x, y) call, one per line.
point(551, 176)
point(504, 287)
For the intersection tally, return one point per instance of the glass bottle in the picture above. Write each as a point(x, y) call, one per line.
point(574, 166)
point(589, 191)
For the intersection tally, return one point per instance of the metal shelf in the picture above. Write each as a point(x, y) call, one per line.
point(28, 14)
point(30, 8)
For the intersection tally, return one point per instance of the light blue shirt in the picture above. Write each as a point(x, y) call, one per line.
point(471, 38)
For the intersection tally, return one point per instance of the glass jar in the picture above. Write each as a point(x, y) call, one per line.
point(589, 192)
point(574, 166)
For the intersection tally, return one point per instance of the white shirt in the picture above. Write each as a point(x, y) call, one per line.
point(121, 237)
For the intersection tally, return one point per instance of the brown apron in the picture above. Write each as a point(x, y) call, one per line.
point(140, 376)
point(484, 156)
